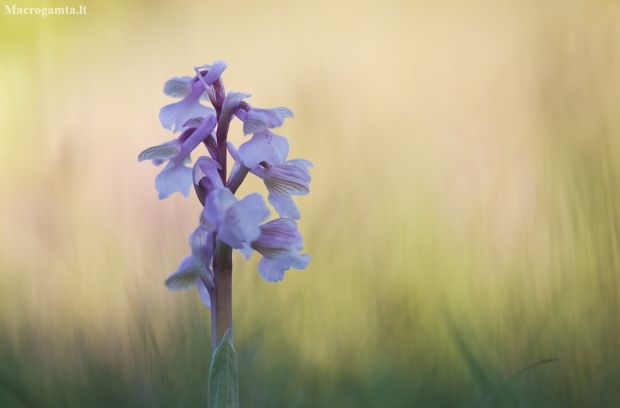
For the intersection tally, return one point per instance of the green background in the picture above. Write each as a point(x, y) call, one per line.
point(463, 221)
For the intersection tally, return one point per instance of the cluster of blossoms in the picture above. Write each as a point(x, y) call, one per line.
point(225, 219)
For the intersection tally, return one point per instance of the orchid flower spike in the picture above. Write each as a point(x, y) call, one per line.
point(227, 222)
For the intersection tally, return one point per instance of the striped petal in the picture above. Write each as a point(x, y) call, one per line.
point(257, 120)
point(284, 206)
point(287, 179)
point(178, 87)
point(164, 151)
point(264, 146)
point(184, 277)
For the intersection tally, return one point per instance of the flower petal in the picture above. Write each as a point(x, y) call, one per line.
point(231, 102)
point(173, 178)
point(241, 114)
point(284, 179)
point(233, 151)
point(184, 277)
point(272, 270)
point(300, 163)
point(178, 87)
point(300, 261)
point(278, 238)
point(201, 242)
point(284, 206)
point(214, 72)
point(242, 221)
point(203, 292)
point(216, 206)
point(258, 171)
point(211, 145)
point(264, 146)
point(246, 251)
point(193, 122)
point(204, 167)
point(164, 151)
point(257, 120)
point(174, 115)
point(205, 162)
point(285, 112)
point(206, 177)
point(201, 133)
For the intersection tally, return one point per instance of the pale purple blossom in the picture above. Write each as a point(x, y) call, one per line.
point(282, 178)
point(206, 177)
point(263, 146)
point(196, 269)
point(284, 205)
point(186, 277)
point(206, 167)
point(167, 150)
point(160, 153)
point(179, 87)
point(176, 176)
point(173, 178)
point(257, 120)
point(235, 221)
point(174, 115)
point(213, 73)
point(231, 103)
point(288, 178)
point(204, 129)
point(279, 243)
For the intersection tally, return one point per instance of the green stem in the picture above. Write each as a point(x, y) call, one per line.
point(221, 302)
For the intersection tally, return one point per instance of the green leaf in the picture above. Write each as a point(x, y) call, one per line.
point(223, 384)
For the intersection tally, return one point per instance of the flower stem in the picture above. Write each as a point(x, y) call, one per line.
point(222, 136)
point(221, 303)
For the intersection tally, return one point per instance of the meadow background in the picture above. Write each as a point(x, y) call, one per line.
point(463, 221)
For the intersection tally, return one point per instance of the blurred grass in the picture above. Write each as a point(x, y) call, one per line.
point(463, 223)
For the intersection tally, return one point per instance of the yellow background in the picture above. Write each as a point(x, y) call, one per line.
point(463, 221)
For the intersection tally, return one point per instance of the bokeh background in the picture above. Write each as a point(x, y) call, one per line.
point(463, 221)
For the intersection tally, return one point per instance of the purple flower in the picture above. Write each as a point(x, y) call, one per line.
point(160, 153)
point(185, 277)
point(257, 120)
point(179, 87)
point(279, 243)
point(198, 136)
point(206, 177)
point(206, 167)
point(174, 115)
point(235, 221)
point(288, 178)
point(214, 72)
point(176, 176)
point(284, 206)
point(173, 178)
point(231, 103)
point(196, 269)
point(282, 178)
point(263, 146)
point(212, 82)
